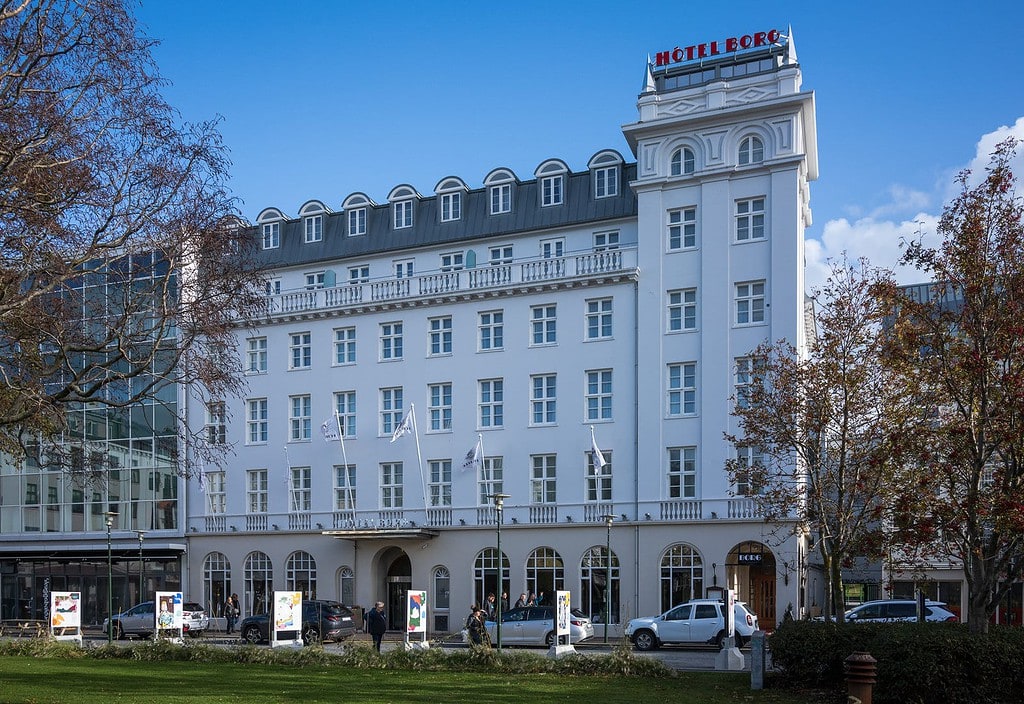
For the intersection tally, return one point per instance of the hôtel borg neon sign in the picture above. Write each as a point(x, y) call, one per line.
point(729, 46)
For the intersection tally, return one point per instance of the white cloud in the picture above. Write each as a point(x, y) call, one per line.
point(878, 239)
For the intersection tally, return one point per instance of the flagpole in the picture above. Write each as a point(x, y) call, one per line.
point(288, 480)
point(483, 458)
point(344, 467)
point(419, 457)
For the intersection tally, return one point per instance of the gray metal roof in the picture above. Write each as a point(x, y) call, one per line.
point(579, 206)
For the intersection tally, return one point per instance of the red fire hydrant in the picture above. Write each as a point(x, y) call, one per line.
point(860, 677)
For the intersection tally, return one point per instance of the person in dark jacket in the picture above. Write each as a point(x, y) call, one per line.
point(377, 623)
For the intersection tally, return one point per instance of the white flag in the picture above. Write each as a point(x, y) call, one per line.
point(474, 457)
point(403, 428)
point(599, 459)
point(330, 430)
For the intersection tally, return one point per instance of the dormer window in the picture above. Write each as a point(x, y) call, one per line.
point(604, 173)
point(272, 235)
point(751, 151)
point(314, 228)
point(451, 206)
point(683, 162)
point(499, 190)
point(551, 182)
point(357, 222)
point(403, 214)
point(357, 211)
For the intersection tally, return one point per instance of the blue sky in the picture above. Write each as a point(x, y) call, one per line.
point(320, 99)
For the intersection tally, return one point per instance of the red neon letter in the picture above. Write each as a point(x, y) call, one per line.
point(677, 55)
point(661, 58)
point(774, 36)
point(759, 38)
point(732, 44)
point(746, 41)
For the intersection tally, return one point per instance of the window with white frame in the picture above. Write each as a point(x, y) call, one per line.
point(313, 226)
point(216, 423)
point(682, 228)
point(750, 303)
point(403, 214)
point(215, 492)
point(492, 403)
point(747, 372)
point(501, 198)
point(599, 318)
point(543, 325)
point(750, 219)
point(682, 472)
point(300, 417)
point(682, 162)
point(553, 248)
point(256, 420)
point(453, 261)
point(542, 479)
point(606, 240)
point(359, 274)
point(256, 491)
point(502, 254)
point(347, 577)
point(403, 269)
point(751, 151)
point(390, 341)
point(682, 389)
point(442, 595)
point(391, 407)
point(300, 350)
point(357, 222)
point(300, 489)
point(273, 287)
point(751, 460)
point(682, 310)
point(440, 486)
point(391, 485)
point(598, 398)
point(314, 280)
point(451, 206)
point(345, 487)
point(542, 399)
point(492, 330)
point(345, 407)
point(491, 481)
point(441, 335)
point(599, 478)
point(551, 190)
point(345, 345)
point(272, 235)
point(440, 406)
point(256, 355)
point(606, 182)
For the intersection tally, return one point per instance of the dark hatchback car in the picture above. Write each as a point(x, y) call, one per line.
point(321, 621)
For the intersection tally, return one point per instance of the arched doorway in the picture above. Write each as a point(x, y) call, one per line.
point(399, 581)
point(750, 571)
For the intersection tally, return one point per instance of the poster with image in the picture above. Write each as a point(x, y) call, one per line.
point(65, 610)
point(416, 618)
point(287, 611)
point(562, 613)
point(169, 617)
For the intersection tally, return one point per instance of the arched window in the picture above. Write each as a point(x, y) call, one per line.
point(594, 581)
point(682, 576)
point(347, 585)
point(545, 574)
point(216, 583)
point(485, 574)
point(683, 162)
point(259, 583)
point(300, 574)
point(441, 598)
point(751, 151)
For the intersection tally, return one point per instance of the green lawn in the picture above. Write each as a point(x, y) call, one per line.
point(40, 680)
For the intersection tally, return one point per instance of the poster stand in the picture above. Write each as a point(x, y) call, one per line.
point(66, 616)
point(285, 625)
point(416, 620)
point(170, 620)
point(563, 613)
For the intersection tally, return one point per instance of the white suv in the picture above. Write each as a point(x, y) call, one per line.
point(696, 621)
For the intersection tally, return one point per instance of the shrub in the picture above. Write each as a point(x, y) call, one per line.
point(930, 663)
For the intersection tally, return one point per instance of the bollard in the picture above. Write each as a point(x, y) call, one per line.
point(757, 660)
point(860, 677)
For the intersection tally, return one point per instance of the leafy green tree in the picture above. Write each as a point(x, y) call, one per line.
point(825, 426)
point(960, 348)
point(122, 267)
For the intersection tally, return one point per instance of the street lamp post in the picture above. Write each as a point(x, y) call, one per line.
point(142, 568)
point(110, 516)
point(499, 507)
point(608, 518)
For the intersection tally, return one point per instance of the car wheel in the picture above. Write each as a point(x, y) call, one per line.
point(194, 634)
point(118, 631)
point(645, 640)
point(549, 639)
point(720, 640)
point(251, 634)
point(310, 635)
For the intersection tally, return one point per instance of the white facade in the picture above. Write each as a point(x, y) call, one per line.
point(618, 297)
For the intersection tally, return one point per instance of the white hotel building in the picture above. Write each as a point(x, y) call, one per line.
point(521, 313)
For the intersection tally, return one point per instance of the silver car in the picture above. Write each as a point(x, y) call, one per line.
point(892, 610)
point(535, 625)
point(194, 619)
point(140, 620)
